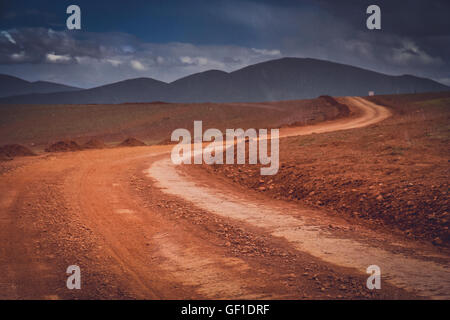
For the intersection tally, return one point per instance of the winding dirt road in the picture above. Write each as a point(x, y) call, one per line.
point(142, 228)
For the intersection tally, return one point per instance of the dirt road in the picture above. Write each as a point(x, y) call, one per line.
point(141, 228)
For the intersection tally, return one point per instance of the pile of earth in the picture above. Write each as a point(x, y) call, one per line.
point(94, 144)
point(131, 142)
point(9, 151)
point(343, 109)
point(63, 146)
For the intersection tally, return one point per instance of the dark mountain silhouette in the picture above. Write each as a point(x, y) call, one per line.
point(12, 86)
point(282, 79)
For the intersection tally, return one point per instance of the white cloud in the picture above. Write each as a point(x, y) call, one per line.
point(411, 53)
point(114, 62)
point(200, 61)
point(54, 58)
point(267, 52)
point(18, 56)
point(9, 37)
point(137, 65)
point(83, 60)
point(186, 60)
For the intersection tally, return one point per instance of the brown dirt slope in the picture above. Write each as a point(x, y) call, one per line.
point(394, 173)
point(14, 150)
point(93, 144)
point(63, 146)
point(131, 142)
point(343, 110)
point(40, 125)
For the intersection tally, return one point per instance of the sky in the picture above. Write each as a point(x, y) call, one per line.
point(167, 40)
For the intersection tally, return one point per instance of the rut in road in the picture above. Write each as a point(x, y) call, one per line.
point(419, 270)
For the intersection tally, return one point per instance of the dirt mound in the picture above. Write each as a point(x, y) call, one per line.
point(63, 146)
point(94, 144)
point(10, 151)
point(132, 142)
point(343, 110)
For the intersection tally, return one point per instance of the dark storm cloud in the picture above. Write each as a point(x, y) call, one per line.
point(415, 28)
point(414, 38)
point(412, 18)
point(225, 35)
point(90, 59)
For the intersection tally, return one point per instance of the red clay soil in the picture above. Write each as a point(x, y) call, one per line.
point(131, 142)
point(167, 141)
point(14, 150)
point(393, 174)
point(343, 110)
point(40, 125)
point(63, 146)
point(94, 144)
point(132, 240)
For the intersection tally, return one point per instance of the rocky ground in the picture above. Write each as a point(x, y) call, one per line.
point(108, 211)
point(393, 174)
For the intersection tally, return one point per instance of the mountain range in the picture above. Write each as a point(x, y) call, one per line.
point(12, 86)
point(281, 79)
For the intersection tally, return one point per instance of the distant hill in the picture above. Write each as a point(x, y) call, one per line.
point(12, 86)
point(282, 79)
